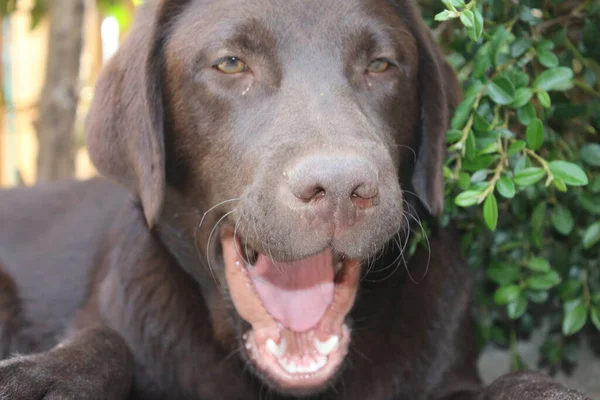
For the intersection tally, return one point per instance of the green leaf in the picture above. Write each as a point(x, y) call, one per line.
point(468, 198)
point(453, 135)
point(471, 146)
point(480, 123)
point(535, 134)
point(467, 18)
point(545, 45)
point(544, 99)
point(529, 176)
point(516, 147)
point(490, 211)
point(590, 154)
point(522, 97)
point(519, 78)
point(517, 308)
point(589, 202)
point(462, 112)
point(562, 219)
point(594, 187)
point(553, 79)
point(547, 58)
point(37, 13)
point(449, 5)
point(503, 273)
point(595, 314)
point(544, 281)
point(526, 114)
point(477, 25)
point(498, 40)
point(570, 173)
point(489, 149)
point(479, 176)
point(575, 316)
point(464, 180)
point(522, 163)
point(482, 61)
point(445, 15)
point(457, 3)
point(591, 235)
point(538, 264)
point(507, 294)
point(506, 187)
point(570, 289)
point(559, 184)
point(501, 91)
point(538, 297)
point(520, 46)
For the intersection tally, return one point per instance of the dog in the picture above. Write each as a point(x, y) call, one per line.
point(265, 163)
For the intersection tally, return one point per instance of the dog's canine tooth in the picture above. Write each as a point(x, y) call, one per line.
point(325, 348)
point(275, 349)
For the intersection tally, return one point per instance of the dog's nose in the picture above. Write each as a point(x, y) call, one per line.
point(335, 182)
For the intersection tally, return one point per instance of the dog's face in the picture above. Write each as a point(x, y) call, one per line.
point(293, 129)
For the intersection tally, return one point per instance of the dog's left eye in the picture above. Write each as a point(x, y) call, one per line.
point(378, 66)
point(230, 65)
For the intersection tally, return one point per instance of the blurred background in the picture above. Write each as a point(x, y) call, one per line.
point(51, 54)
point(522, 172)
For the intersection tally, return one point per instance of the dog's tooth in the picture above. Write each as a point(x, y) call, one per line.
point(319, 363)
point(328, 346)
point(275, 349)
point(312, 367)
point(290, 367)
point(282, 346)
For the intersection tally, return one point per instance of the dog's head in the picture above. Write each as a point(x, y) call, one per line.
point(291, 131)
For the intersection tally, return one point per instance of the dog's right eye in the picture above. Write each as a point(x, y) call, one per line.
point(230, 65)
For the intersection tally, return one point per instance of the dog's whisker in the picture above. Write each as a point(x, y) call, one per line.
point(418, 198)
point(214, 207)
point(411, 149)
point(241, 256)
point(416, 218)
point(208, 246)
point(392, 263)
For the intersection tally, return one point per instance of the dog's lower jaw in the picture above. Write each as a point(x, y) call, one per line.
point(293, 361)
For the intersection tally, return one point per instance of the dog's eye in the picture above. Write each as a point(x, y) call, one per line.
point(378, 66)
point(230, 65)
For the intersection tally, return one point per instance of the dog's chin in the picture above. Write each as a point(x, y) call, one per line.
point(296, 311)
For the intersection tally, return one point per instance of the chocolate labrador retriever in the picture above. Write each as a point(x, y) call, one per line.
point(272, 159)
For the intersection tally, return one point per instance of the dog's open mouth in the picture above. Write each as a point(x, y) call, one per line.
point(296, 311)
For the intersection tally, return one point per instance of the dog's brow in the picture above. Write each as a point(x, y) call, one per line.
point(254, 38)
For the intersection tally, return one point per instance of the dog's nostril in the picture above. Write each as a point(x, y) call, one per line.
point(330, 183)
point(365, 191)
point(314, 193)
point(365, 196)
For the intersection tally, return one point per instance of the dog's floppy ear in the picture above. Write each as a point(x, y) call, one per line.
point(125, 131)
point(440, 94)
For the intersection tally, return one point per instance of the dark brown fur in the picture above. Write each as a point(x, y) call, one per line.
point(106, 290)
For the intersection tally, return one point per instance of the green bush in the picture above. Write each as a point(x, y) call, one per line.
point(523, 166)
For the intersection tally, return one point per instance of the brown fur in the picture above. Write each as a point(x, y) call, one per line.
point(116, 291)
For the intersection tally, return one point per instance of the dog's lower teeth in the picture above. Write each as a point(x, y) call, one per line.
point(325, 348)
point(278, 350)
point(314, 365)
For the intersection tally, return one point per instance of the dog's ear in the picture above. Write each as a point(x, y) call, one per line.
point(125, 132)
point(439, 96)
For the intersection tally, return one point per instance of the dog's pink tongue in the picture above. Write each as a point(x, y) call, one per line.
point(298, 293)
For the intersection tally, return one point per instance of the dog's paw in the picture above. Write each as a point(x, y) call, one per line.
point(38, 378)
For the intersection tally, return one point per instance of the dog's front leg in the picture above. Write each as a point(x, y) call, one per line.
point(92, 364)
point(529, 386)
